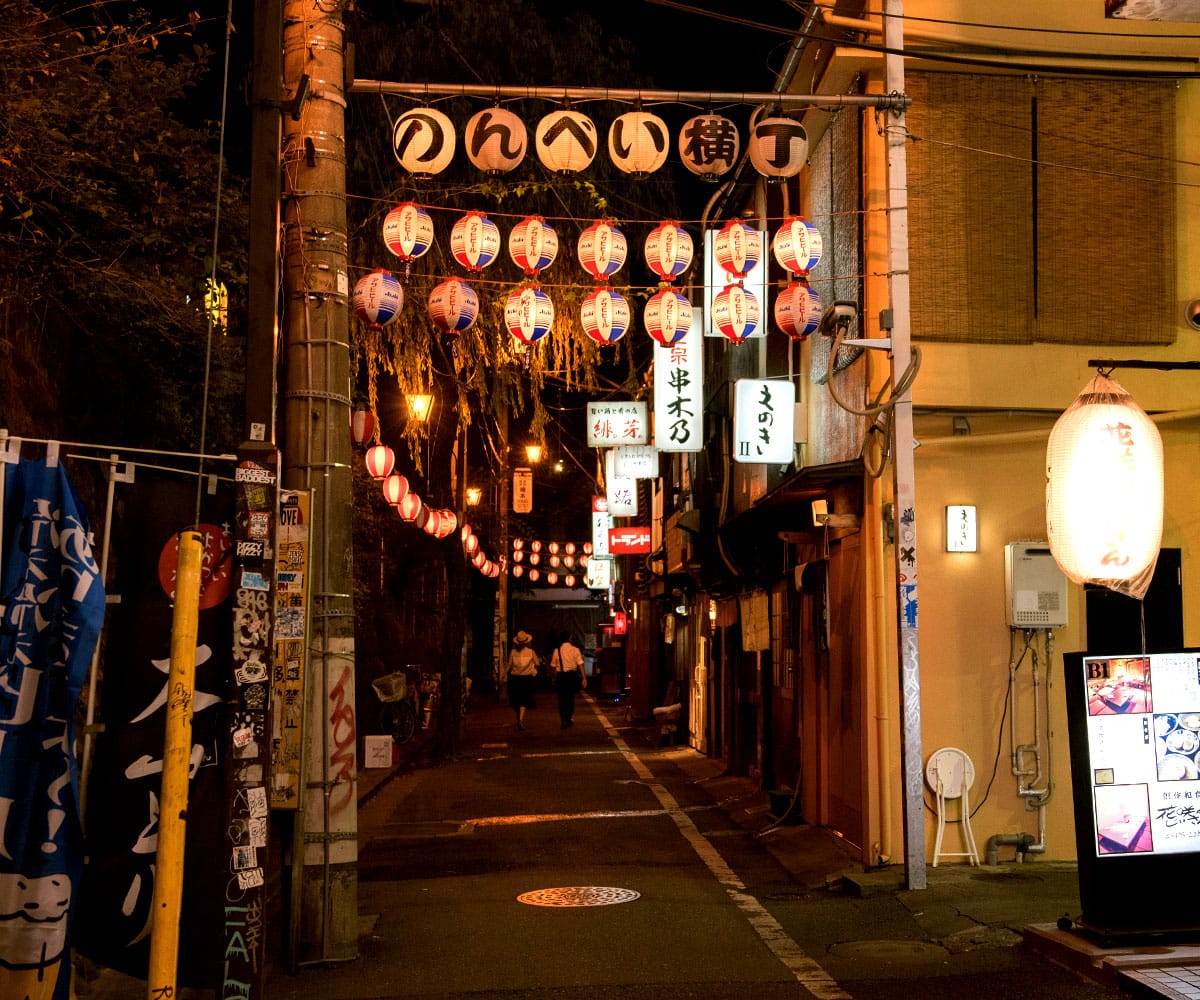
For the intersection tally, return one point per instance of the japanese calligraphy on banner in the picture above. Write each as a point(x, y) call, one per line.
point(764, 421)
point(601, 522)
point(679, 393)
point(620, 422)
point(287, 675)
point(636, 462)
point(620, 492)
point(522, 491)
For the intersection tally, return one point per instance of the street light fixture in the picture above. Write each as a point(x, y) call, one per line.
point(419, 405)
point(474, 495)
point(533, 453)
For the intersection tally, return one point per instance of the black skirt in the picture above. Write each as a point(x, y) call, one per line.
point(520, 690)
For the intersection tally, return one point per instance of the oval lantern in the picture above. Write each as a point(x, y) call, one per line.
point(569, 580)
point(378, 299)
point(395, 489)
point(449, 523)
point(495, 140)
point(668, 316)
point(602, 250)
point(518, 556)
point(535, 546)
point(493, 570)
point(534, 575)
point(453, 306)
point(362, 426)
point(535, 558)
point(604, 316)
point(552, 579)
point(798, 245)
point(380, 460)
point(737, 248)
point(735, 313)
point(423, 140)
point(529, 314)
point(798, 311)
point(709, 146)
point(518, 571)
point(408, 231)
point(518, 543)
point(778, 146)
point(532, 244)
point(1104, 490)
point(471, 544)
point(637, 143)
point(475, 241)
point(410, 507)
point(669, 250)
point(565, 141)
point(433, 522)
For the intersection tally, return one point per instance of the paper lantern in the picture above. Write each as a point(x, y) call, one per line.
point(569, 548)
point(493, 570)
point(518, 543)
point(778, 147)
point(408, 231)
point(798, 245)
point(395, 489)
point(449, 523)
point(378, 299)
point(529, 314)
point(569, 562)
point(495, 140)
point(565, 141)
point(798, 310)
point(362, 426)
point(604, 316)
point(602, 250)
point(552, 548)
point(1104, 490)
point(668, 316)
point(410, 507)
point(423, 140)
point(534, 575)
point(475, 241)
point(518, 571)
point(453, 306)
point(433, 522)
point(669, 250)
point(554, 561)
point(569, 580)
point(535, 546)
point(380, 460)
point(737, 248)
point(709, 146)
point(535, 558)
point(518, 556)
point(533, 244)
point(470, 543)
point(637, 143)
point(735, 313)
point(552, 579)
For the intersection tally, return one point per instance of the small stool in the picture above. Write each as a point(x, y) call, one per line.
point(951, 774)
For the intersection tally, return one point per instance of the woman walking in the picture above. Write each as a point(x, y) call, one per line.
point(520, 672)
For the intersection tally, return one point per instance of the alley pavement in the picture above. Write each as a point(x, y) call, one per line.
point(1005, 930)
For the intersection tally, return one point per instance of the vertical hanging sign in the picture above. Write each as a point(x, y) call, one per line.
point(522, 491)
point(679, 394)
point(601, 522)
point(620, 491)
point(291, 622)
point(764, 415)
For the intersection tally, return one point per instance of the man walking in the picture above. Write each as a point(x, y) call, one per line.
point(567, 663)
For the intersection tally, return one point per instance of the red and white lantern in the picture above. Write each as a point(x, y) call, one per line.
point(475, 241)
point(362, 426)
point(534, 575)
point(778, 146)
point(565, 141)
point(533, 244)
point(669, 250)
point(395, 489)
point(378, 299)
point(604, 316)
point(453, 306)
point(408, 231)
point(529, 314)
point(410, 507)
point(637, 143)
point(518, 571)
point(737, 248)
point(798, 310)
point(449, 523)
point(496, 140)
point(709, 146)
point(798, 245)
point(668, 316)
point(423, 140)
point(602, 250)
point(735, 313)
point(433, 522)
point(380, 461)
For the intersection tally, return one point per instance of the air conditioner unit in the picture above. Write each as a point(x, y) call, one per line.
point(1035, 589)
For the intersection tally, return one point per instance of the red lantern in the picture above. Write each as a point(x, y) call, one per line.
point(471, 545)
point(668, 316)
point(380, 461)
point(518, 571)
point(362, 426)
point(410, 507)
point(534, 576)
point(395, 489)
point(552, 579)
point(620, 623)
point(433, 522)
point(518, 556)
point(448, 524)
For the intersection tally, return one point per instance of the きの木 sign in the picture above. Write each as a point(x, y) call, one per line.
point(679, 393)
point(617, 423)
point(764, 421)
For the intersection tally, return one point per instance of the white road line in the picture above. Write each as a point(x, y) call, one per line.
point(808, 973)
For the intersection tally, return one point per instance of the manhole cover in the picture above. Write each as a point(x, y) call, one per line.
point(578, 895)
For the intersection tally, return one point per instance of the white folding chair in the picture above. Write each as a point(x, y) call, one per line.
point(951, 774)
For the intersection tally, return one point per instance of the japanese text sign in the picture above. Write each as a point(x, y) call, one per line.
point(764, 421)
point(679, 393)
point(617, 423)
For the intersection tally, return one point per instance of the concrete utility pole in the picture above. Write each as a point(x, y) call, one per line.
point(316, 456)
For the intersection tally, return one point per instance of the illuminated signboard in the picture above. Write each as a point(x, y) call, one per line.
point(619, 422)
point(679, 393)
point(629, 541)
point(764, 421)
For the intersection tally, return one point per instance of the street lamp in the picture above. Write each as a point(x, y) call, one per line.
point(474, 495)
point(533, 453)
point(419, 405)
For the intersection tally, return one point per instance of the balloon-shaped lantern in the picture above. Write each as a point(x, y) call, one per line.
point(475, 241)
point(410, 507)
point(709, 146)
point(669, 250)
point(668, 316)
point(362, 426)
point(453, 306)
point(798, 245)
point(565, 141)
point(602, 249)
point(380, 461)
point(604, 315)
point(735, 313)
point(778, 146)
point(637, 143)
point(533, 244)
point(737, 248)
point(378, 299)
point(395, 489)
point(496, 140)
point(408, 231)
point(433, 521)
point(798, 310)
point(449, 523)
point(529, 314)
point(423, 141)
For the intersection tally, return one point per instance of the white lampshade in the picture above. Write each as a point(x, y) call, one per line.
point(1104, 490)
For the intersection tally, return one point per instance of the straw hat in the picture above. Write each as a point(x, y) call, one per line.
point(522, 638)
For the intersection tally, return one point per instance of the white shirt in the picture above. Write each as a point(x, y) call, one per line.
point(567, 658)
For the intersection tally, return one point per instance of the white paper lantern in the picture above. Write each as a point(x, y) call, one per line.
point(565, 141)
point(668, 316)
point(669, 250)
point(395, 489)
point(529, 314)
point(408, 231)
point(495, 140)
point(380, 460)
point(453, 306)
point(778, 147)
point(737, 248)
point(735, 313)
point(423, 140)
point(475, 241)
point(602, 250)
point(604, 316)
point(798, 245)
point(378, 299)
point(709, 146)
point(1104, 490)
point(533, 244)
point(637, 143)
point(798, 311)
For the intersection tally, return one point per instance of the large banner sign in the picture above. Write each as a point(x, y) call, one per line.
point(53, 608)
point(679, 394)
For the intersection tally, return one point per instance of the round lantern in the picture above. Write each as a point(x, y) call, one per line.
point(518, 543)
point(408, 231)
point(552, 579)
point(778, 146)
point(565, 141)
point(410, 507)
point(637, 143)
point(532, 244)
point(433, 522)
point(495, 140)
point(569, 580)
point(798, 310)
point(552, 548)
point(423, 141)
point(493, 570)
point(735, 313)
point(362, 426)
point(554, 561)
point(534, 576)
point(569, 562)
point(709, 146)
point(378, 299)
point(529, 314)
point(479, 558)
point(583, 560)
point(535, 558)
point(569, 548)
point(380, 461)
point(604, 316)
point(668, 316)
point(471, 544)
point(518, 571)
point(587, 548)
point(395, 489)
point(453, 306)
point(602, 249)
point(475, 241)
point(518, 556)
point(1104, 490)
point(798, 245)
point(669, 250)
point(737, 248)
point(449, 523)
point(535, 546)
point(422, 518)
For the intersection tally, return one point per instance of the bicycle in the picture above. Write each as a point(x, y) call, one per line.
point(397, 708)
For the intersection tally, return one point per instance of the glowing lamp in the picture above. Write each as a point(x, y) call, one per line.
point(798, 310)
point(668, 316)
point(518, 556)
point(565, 141)
point(453, 306)
point(798, 245)
point(669, 250)
point(471, 544)
point(419, 405)
point(423, 141)
point(518, 543)
point(709, 146)
point(532, 244)
point(518, 571)
point(637, 143)
point(449, 523)
point(475, 241)
point(408, 231)
point(602, 250)
point(778, 147)
point(534, 576)
point(495, 140)
point(535, 545)
point(380, 461)
point(569, 548)
point(529, 314)
point(474, 496)
point(410, 507)
point(569, 580)
point(737, 248)
point(534, 559)
point(620, 623)
point(552, 579)
point(433, 522)
point(362, 426)
point(395, 489)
